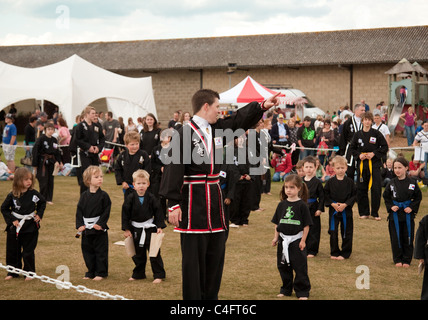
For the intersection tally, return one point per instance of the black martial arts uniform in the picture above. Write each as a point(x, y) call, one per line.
point(369, 178)
point(135, 213)
point(421, 252)
point(401, 225)
point(341, 191)
point(21, 245)
point(45, 154)
point(94, 242)
point(315, 202)
point(127, 164)
point(350, 127)
point(149, 140)
point(87, 136)
point(291, 218)
point(192, 184)
point(229, 176)
point(156, 174)
point(243, 197)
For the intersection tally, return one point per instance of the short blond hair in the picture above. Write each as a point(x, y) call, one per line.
point(131, 136)
point(88, 109)
point(339, 160)
point(89, 172)
point(141, 174)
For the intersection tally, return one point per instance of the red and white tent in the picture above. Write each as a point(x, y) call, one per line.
point(246, 91)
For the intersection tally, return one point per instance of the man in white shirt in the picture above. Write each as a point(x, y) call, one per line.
point(422, 139)
point(383, 128)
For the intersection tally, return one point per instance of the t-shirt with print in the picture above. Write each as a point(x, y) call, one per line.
point(291, 217)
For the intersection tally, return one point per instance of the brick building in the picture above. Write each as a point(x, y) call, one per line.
point(334, 68)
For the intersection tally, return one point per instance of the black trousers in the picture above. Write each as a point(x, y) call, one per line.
point(405, 253)
point(46, 181)
point(424, 293)
point(140, 258)
point(95, 254)
point(86, 161)
point(298, 264)
point(241, 205)
point(20, 250)
point(346, 234)
point(314, 235)
point(363, 191)
point(202, 265)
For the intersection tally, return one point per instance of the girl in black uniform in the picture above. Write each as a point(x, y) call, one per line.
point(22, 210)
point(402, 199)
point(46, 156)
point(292, 220)
point(93, 212)
point(368, 146)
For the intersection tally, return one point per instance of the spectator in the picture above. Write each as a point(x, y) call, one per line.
point(366, 106)
point(387, 172)
point(30, 136)
point(279, 131)
point(282, 165)
point(409, 118)
point(306, 138)
point(292, 139)
point(111, 129)
point(9, 142)
point(326, 137)
point(176, 118)
point(140, 124)
point(131, 126)
point(64, 137)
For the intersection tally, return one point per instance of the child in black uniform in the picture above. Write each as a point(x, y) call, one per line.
point(142, 216)
point(292, 220)
point(402, 199)
point(368, 147)
point(93, 212)
point(22, 210)
point(340, 194)
point(46, 156)
point(315, 203)
point(129, 161)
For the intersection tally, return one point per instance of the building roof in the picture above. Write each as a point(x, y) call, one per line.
point(364, 46)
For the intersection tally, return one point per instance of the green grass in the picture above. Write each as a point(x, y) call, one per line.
point(250, 267)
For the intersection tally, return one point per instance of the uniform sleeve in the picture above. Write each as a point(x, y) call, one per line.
point(387, 197)
point(351, 200)
point(105, 214)
point(35, 153)
point(416, 200)
point(6, 209)
point(40, 205)
point(159, 217)
point(327, 199)
point(101, 138)
point(126, 212)
point(382, 149)
point(321, 199)
point(118, 169)
point(79, 212)
point(80, 136)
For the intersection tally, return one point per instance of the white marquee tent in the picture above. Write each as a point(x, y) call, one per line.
point(73, 84)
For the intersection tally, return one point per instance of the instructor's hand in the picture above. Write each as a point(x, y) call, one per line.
point(174, 217)
point(272, 101)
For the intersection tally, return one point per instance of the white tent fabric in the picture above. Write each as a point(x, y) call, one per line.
point(73, 84)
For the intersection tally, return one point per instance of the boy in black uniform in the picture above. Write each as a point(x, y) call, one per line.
point(340, 194)
point(90, 139)
point(142, 216)
point(315, 203)
point(46, 156)
point(130, 160)
point(191, 185)
point(368, 146)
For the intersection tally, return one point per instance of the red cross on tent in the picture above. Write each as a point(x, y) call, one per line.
point(246, 91)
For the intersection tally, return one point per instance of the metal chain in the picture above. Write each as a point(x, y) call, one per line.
point(62, 284)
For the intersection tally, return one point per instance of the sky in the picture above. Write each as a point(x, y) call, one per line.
point(25, 22)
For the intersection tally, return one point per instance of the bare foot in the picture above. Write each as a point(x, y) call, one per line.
point(28, 278)
point(399, 264)
point(131, 279)
point(98, 278)
point(157, 281)
point(406, 265)
point(311, 256)
point(8, 278)
point(303, 298)
point(280, 295)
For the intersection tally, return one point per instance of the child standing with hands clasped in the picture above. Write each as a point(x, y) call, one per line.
point(22, 210)
point(292, 220)
point(340, 195)
point(141, 216)
point(93, 212)
point(315, 203)
point(402, 199)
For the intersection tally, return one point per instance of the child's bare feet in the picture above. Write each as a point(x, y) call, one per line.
point(280, 295)
point(28, 278)
point(8, 278)
point(157, 280)
point(399, 264)
point(98, 278)
point(131, 279)
point(406, 265)
point(303, 298)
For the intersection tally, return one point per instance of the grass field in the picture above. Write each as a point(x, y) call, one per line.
point(250, 267)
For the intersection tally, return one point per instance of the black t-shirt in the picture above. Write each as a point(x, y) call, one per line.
point(291, 217)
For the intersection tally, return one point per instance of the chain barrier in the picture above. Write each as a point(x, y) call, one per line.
point(62, 284)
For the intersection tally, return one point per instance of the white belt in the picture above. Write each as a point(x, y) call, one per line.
point(286, 242)
point(22, 218)
point(143, 225)
point(89, 222)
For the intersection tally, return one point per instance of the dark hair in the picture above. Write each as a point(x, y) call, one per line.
point(32, 119)
point(203, 96)
point(310, 159)
point(401, 160)
point(367, 115)
point(298, 182)
point(155, 124)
